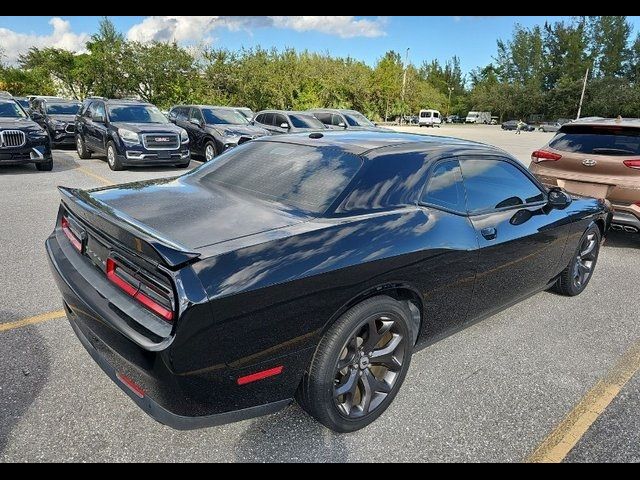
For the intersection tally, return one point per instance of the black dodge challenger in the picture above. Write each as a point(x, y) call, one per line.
point(308, 266)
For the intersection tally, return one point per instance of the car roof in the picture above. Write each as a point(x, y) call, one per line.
point(361, 142)
point(60, 100)
point(600, 121)
point(286, 112)
point(219, 107)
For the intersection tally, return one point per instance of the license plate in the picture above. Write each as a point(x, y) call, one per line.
point(164, 155)
point(594, 190)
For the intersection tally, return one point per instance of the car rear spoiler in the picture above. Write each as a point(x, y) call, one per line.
point(134, 235)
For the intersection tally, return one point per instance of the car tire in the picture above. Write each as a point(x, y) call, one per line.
point(575, 278)
point(353, 378)
point(81, 148)
point(210, 151)
point(45, 167)
point(112, 158)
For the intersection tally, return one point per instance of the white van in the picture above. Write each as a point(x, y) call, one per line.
point(478, 117)
point(429, 118)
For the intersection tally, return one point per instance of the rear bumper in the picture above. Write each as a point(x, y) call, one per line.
point(625, 221)
point(161, 414)
point(172, 393)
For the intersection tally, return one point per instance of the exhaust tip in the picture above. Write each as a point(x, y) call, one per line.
point(631, 229)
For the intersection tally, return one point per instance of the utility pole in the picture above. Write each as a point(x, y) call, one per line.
point(584, 87)
point(404, 82)
point(449, 101)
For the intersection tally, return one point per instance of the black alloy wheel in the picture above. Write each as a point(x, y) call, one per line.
point(575, 278)
point(359, 364)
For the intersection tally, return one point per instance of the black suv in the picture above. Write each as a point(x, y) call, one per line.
point(57, 116)
point(212, 130)
point(339, 119)
point(21, 139)
point(130, 133)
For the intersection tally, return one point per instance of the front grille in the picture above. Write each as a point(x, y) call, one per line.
point(160, 141)
point(12, 138)
point(70, 128)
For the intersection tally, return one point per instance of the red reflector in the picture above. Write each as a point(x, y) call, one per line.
point(543, 156)
point(131, 385)
point(633, 164)
point(254, 377)
point(135, 292)
point(66, 228)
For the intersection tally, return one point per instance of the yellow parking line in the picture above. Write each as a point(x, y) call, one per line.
point(86, 171)
point(45, 317)
point(568, 433)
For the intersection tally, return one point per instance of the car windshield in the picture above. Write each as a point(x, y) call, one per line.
point(356, 119)
point(248, 114)
point(223, 116)
point(11, 110)
point(63, 108)
point(599, 140)
point(306, 121)
point(304, 177)
point(136, 114)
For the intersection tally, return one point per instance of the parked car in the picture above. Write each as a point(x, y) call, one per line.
point(130, 133)
point(454, 119)
point(599, 158)
point(281, 121)
point(212, 130)
point(429, 118)
point(337, 119)
point(478, 118)
point(57, 116)
point(494, 120)
point(410, 119)
point(549, 126)
point(308, 266)
point(21, 139)
point(513, 125)
point(562, 121)
point(246, 112)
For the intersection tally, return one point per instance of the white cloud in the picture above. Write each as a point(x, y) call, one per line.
point(197, 28)
point(15, 43)
point(345, 26)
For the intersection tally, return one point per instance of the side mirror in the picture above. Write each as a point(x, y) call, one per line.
point(559, 199)
point(342, 124)
point(36, 115)
point(285, 125)
point(196, 122)
point(99, 118)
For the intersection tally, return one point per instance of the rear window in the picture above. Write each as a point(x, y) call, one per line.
point(598, 140)
point(308, 178)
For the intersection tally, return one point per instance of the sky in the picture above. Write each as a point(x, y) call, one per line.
point(472, 39)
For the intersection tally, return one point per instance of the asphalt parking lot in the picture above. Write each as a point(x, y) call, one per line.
point(493, 392)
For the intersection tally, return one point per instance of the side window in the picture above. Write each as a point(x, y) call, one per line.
point(323, 117)
point(196, 114)
point(444, 187)
point(268, 119)
point(259, 118)
point(91, 109)
point(496, 184)
point(181, 114)
point(280, 119)
point(100, 110)
point(337, 120)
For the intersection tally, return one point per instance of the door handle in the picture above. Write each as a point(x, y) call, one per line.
point(489, 233)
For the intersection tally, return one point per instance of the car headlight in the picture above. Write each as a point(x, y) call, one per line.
point(184, 136)
point(128, 136)
point(57, 125)
point(37, 134)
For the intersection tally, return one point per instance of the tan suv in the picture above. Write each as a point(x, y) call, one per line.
point(599, 158)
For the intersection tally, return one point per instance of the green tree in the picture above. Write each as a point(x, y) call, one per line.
point(386, 83)
point(107, 50)
point(611, 35)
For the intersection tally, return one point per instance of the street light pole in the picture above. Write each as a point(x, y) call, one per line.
point(404, 82)
point(584, 87)
point(449, 101)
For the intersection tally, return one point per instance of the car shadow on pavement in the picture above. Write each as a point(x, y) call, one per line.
point(622, 240)
point(307, 440)
point(23, 372)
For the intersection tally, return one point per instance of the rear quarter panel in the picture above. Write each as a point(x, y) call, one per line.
point(278, 297)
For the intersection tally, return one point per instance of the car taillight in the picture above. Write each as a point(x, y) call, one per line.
point(633, 164)
point(149, 295)
point(66, 229)
point(540, 156)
